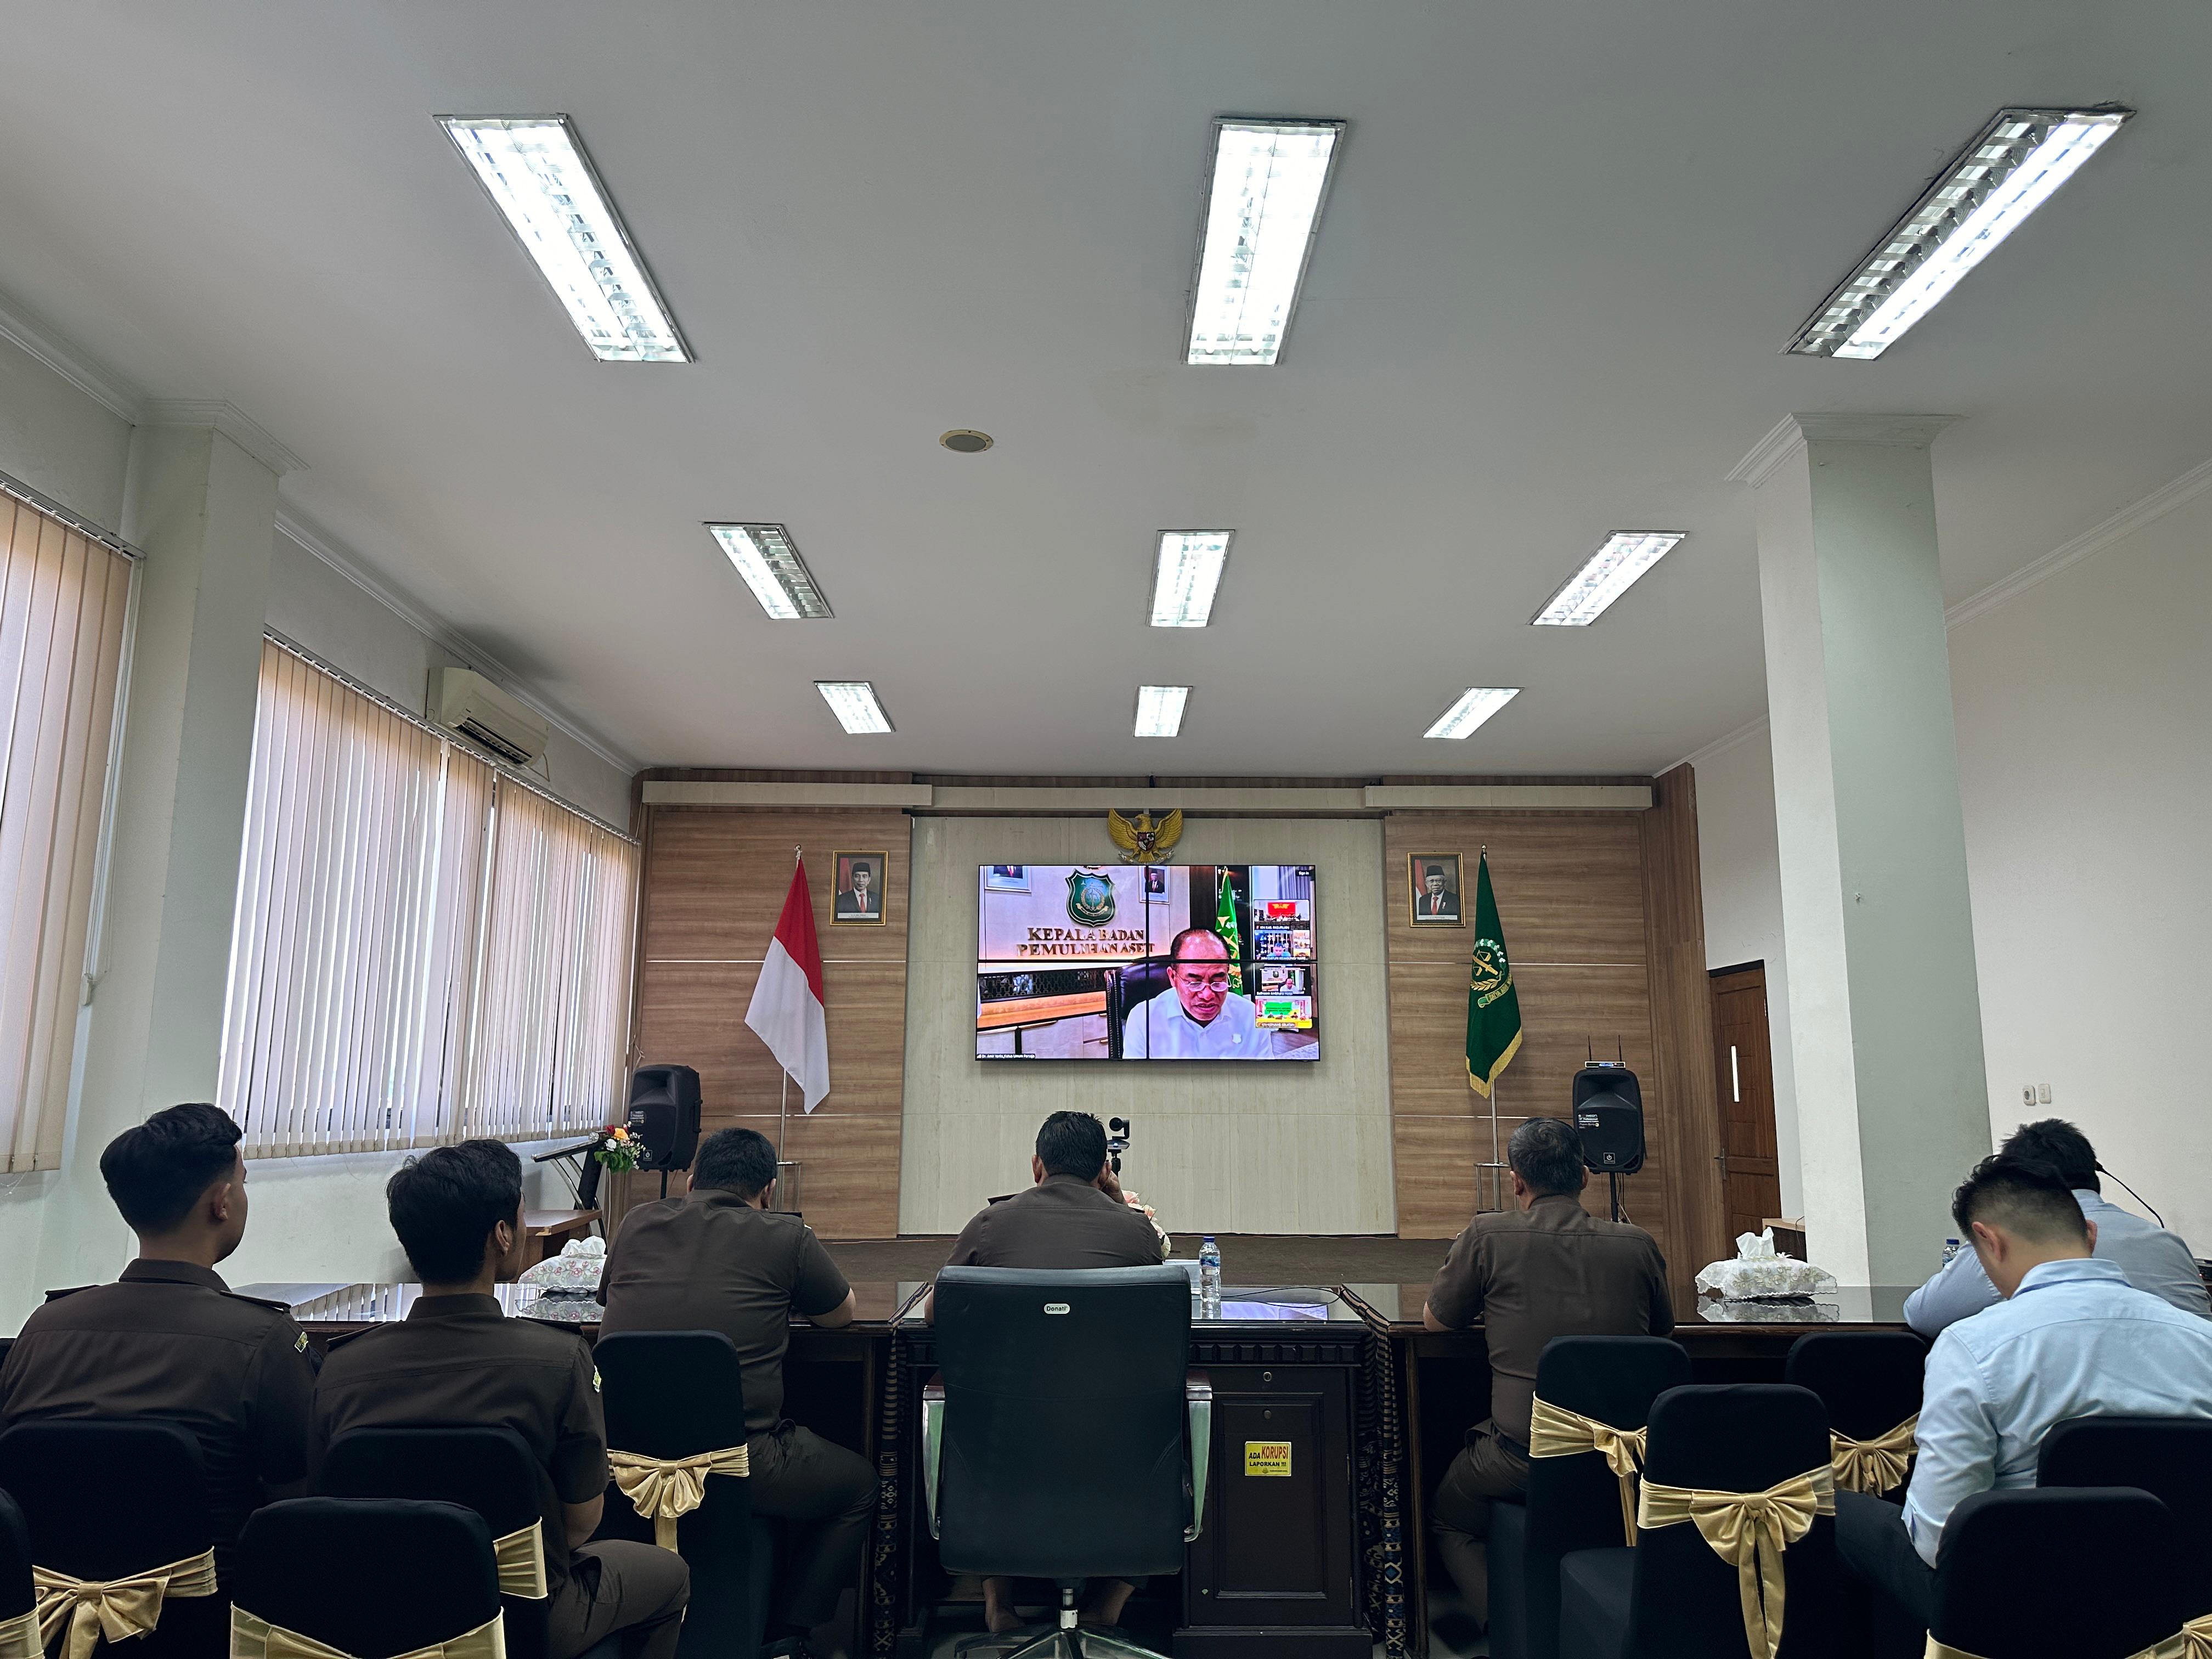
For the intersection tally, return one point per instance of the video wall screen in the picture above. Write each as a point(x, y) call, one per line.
point(1146, 961)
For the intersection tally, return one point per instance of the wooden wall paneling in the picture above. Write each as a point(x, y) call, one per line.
point(714, 884)
point(1681, 995)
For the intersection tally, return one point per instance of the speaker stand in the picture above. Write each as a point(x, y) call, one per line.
point(1613, 1181)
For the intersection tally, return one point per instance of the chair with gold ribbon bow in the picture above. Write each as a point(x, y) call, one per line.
point(490, 1470)
point(2170, 1458)
point(1737, 1533)
point(19, 1605)
point(2093, 1572)
point(120, 1536)
point(1869, 1381)
point(676, 1415)
point(1585, 1445)
point(337, 1577)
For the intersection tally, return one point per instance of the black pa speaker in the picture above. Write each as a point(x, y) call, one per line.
point(1609, 1118)
point(664, 1116)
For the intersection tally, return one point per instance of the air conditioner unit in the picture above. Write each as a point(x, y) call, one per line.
point(464, 701)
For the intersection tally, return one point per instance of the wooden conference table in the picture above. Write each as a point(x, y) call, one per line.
point(1317, 1555)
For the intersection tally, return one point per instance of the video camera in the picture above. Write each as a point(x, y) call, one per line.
point(1118, 1131)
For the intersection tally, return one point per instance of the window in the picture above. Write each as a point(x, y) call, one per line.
point(65, 601)
point(425, 947)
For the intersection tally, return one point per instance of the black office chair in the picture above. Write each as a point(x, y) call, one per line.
point(370, 1578)
point(1672, 1596)
point(677, 1393)
point(17, 1596)
point(1573, 1503)
point(1869, 1381)
point(2169, 1457)
point(2083, 1572)
point(1130, 987)
point(110, 1499)
point(1038, 1370)
point(491, 1471)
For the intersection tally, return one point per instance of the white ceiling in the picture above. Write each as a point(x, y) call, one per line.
point(1563, 246)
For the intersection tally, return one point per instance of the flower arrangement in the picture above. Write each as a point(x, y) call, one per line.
point(615, 1149)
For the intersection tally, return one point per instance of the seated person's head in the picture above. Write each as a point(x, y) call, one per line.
point(458, 1210)
point(180, 1181)
point(740, 1161)
point(2020, 1213)
point(1070, 1143)
point(1547, 1159)
point(2058, 1143)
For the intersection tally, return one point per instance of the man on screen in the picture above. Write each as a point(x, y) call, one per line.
point(1204, 1020)
point(1437, 903)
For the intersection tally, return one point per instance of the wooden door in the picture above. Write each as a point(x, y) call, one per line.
point(1743, 1069)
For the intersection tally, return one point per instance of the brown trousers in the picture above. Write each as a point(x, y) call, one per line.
point(1485, 1470)
point(617, 1585)
point(830, 1494)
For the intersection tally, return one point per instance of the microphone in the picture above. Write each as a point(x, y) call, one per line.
point(2133, 1194)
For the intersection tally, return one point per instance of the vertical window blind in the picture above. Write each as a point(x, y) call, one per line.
point(65, 600)
point(421, 945)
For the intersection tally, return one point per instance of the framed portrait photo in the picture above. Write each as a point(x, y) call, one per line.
point(863, 882)
point(1433, 890)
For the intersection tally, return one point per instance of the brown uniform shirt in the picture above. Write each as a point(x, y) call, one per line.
point(456, 1361)
point(710, 1262)
point(169, 1339)
point(1552, 1269)
point(1061, 1222)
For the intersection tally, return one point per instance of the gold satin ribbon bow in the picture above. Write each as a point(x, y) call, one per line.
point(255, 1637)
point(1749, 1530)
point(521, 1558)
point(665, 1489)
point(1875, 1465)
point(118, 1608)
point(2192, 1641)
point(1555, 1431)
point(19, 1636)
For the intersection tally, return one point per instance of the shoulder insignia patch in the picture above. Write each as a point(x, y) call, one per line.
point(300, 1343)
point(595, 1379)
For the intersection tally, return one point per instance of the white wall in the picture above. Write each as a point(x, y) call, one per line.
point(59, 441)
point(1741, 875)
point(2084, 709)
point(1288, 1147)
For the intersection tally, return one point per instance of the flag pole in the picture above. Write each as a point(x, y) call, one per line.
point(783, 1095)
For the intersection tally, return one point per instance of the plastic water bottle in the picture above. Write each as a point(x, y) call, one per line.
point(1209, 1275)
point(1950, 1250)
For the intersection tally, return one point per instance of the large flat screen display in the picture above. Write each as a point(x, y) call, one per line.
point(1146, 961)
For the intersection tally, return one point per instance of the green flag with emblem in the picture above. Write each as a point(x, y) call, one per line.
point(1224, 923)
point(1493, 1007)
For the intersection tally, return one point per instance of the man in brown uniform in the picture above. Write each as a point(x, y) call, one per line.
point(169, 1339)
point(457, 1360)
point(718, 1259)
point(1548, 1269)
point(1074, 1215)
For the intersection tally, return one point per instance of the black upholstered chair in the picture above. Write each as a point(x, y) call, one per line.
point(1038, 1370)
point(2169, 1457)
point(1672, 1596)
point(17, 1596)
point(677, 1393)
point(369, 1576)
point(1869, 1381)
point(489, 1470)
point(2086, 1573)
point(1574, 1503)
point(106, 1499)
point(1128, 987)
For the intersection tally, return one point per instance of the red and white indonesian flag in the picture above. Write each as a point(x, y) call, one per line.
point(786, 1012)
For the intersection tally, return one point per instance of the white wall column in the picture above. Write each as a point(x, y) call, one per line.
point(1884, 1018)
point(201, 504)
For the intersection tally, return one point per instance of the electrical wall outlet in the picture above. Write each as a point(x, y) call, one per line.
point(2043, 1094)
point(2027, 1094)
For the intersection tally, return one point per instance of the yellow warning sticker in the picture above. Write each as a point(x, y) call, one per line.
point(1267, 1457)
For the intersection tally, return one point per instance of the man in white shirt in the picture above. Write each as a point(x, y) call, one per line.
point(1204, 1019)
point(2153, 1259)
point(2071, 1339)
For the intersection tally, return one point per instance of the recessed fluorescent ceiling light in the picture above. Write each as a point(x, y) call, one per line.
point(1269, 178)
point(1479, 703)
point(853, 702)
point(535, 169)
point(2010, 170)
point(1612, 571)
point(1159, 709)
point(779, 578)
point(1186, 574)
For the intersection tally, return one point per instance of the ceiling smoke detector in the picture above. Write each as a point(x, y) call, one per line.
point(962, 442)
